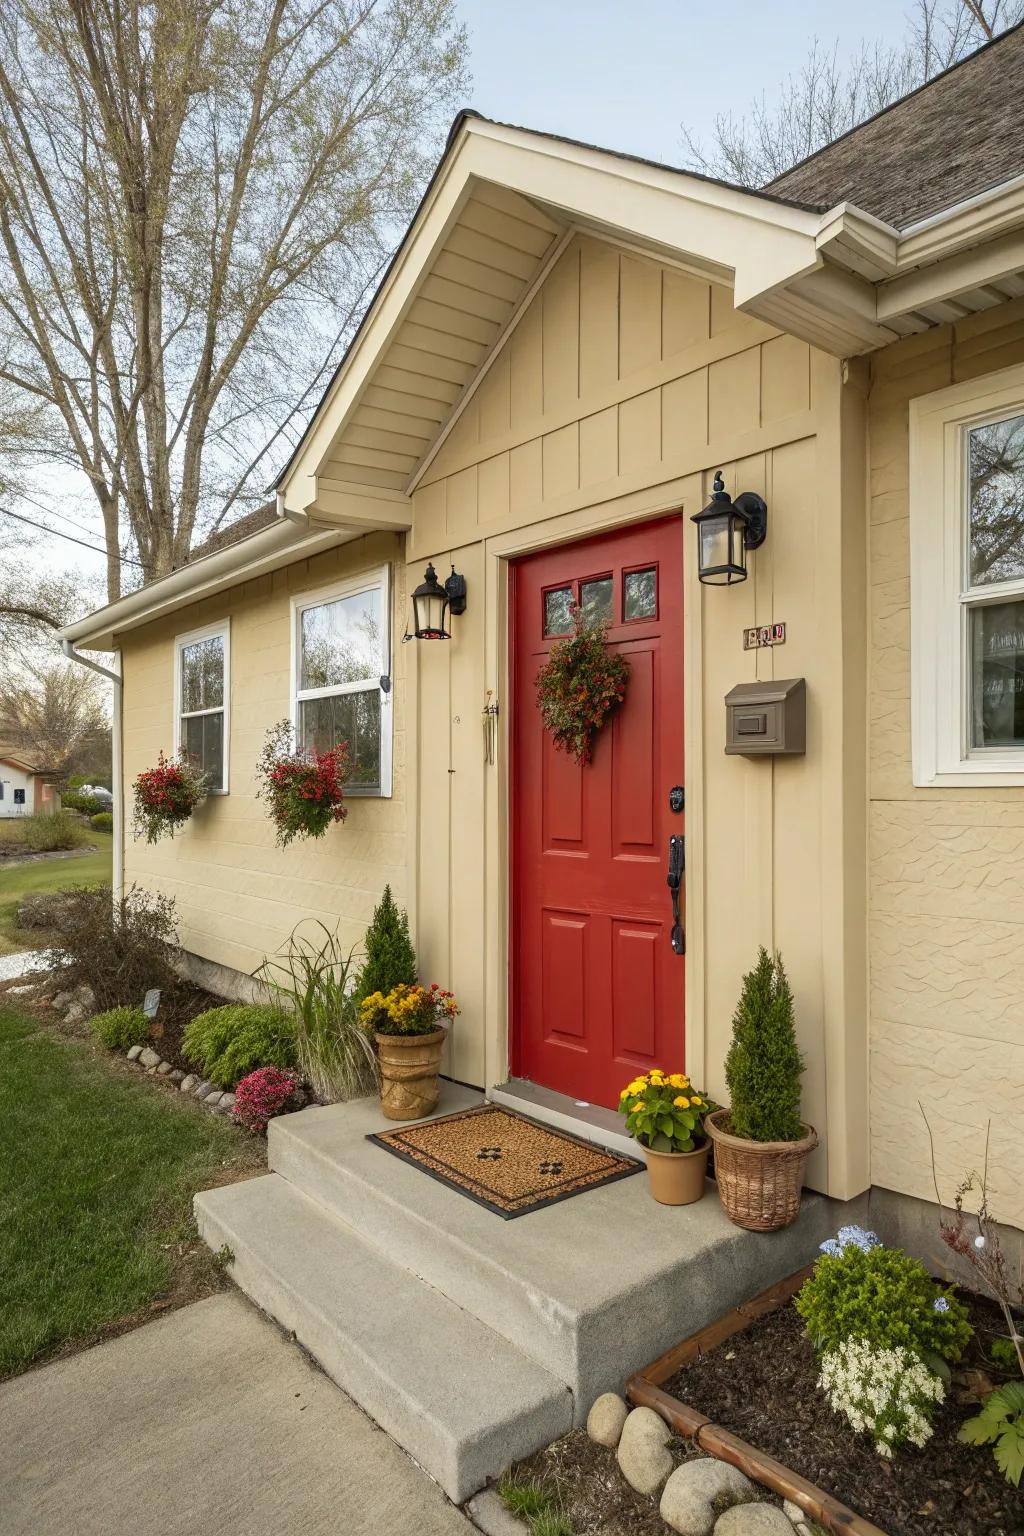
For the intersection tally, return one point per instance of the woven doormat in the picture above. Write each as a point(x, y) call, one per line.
point(503, 1161)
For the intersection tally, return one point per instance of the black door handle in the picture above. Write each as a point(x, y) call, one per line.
point(676, 865)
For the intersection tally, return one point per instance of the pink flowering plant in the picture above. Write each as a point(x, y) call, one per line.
point(166, 796)
point(304, 790)
point(261, 1095)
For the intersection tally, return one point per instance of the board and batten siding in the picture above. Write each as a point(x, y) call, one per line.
point(238, 895)
point(623, 387)
point(946, 866)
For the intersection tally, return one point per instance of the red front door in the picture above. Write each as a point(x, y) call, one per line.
point(596, 988)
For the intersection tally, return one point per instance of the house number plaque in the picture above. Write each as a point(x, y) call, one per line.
point(764, 634)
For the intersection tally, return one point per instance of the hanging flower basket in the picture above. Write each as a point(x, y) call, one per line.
point(582, 682)
point(166, 796)
point(304, 791)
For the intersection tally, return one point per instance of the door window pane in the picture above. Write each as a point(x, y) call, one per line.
point(558, 611)
point(342, 641)
point(997, 674)
point(202, 674)
point(596, 600)
point(350, 717)
point(640, 594)
point(996, 474)
point(203, 740)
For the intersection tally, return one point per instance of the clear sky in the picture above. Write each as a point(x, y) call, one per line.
point(623, 74)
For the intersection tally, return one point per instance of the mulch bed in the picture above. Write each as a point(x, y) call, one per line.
point(762, 1385)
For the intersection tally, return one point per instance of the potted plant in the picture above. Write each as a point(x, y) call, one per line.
point(665, 1114)
point(761, 1143)
point(304, 791)
point(410, 1025)
point(166, 796)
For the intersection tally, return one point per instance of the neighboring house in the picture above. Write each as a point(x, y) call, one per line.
point(567, 346)
point(25, 790)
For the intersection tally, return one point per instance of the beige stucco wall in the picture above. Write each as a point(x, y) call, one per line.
point(623, 388)
point(946, 864)
point(238, 895)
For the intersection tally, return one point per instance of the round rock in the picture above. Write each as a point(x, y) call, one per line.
point(753, 1520)
point(699, 1491)
point(606, 1418)
point(149, 1058)
point(644, 1457)
point(188, 1083)
point(134, 1052)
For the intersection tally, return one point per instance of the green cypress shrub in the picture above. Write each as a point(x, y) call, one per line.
point(228, 1043)
point(120, 1028)
point(764, 1063)
point(390, 957)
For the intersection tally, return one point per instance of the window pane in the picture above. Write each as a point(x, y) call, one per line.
point(997, 675)
point(342, 642)
point(202, 736)
point(202, 674)
point(350, 717)
point(596, 600)
point(558, 611)
point(996, 469)
point(640, 595)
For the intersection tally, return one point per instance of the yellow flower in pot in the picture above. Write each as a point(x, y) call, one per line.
point(410, 1025)
point(761, 1143)
point(665, 1114)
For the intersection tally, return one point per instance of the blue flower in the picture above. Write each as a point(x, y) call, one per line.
point(850, 1237)
point(941, 1303)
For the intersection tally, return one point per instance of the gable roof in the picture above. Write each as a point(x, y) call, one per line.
point(955, 136)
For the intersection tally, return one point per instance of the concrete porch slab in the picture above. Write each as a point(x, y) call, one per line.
point(592, 1288)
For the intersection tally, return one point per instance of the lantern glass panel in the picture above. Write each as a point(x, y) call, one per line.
point(430, 610)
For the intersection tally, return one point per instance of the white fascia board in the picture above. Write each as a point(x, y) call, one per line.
point(281, 544)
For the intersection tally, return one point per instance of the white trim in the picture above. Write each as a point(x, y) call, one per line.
point(221, 630)
point(941, 754)
point(379, 578)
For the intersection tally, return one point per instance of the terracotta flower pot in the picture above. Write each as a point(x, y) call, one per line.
point(409, 1065)
point(759, 1182)
point(677, 1178)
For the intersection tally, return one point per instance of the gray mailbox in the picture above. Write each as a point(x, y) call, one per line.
point(766, 718)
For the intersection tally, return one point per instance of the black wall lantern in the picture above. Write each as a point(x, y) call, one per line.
point(432, 603)
point(726, 529)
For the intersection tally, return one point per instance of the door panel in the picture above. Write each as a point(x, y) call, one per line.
point(596, 990)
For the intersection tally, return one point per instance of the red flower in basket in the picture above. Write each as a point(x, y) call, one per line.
point(166, 796)
point(303, 790)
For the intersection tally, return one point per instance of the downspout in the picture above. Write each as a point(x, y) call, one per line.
point(117, 769)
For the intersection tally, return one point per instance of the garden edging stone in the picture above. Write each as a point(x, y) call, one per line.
point(699, 1491)
point(606, 1418)
point(643, 1454)
point(753, 1520)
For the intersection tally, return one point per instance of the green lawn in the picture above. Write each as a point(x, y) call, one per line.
point(97, 1173)
point(50, 874)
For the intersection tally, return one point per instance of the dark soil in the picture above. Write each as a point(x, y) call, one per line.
point(762, 1385)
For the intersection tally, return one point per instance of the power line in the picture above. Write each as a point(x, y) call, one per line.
point(123, 559)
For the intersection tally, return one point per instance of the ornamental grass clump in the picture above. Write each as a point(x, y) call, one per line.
point(120, 1028)
point(228, 1043)
point(166, 796)
point(408, 1010)
point(261, 1095)
point(665, 1112)
point(582, 682)
point(764, 1064)
point(889, 1394)
point(304, 791)
point(334, 1053)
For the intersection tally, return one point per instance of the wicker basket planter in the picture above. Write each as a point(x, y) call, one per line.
point(409, 1065)
point(759, 1182)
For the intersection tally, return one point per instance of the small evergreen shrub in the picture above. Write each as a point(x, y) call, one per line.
point(227, 1043)
point(390, 958)
point(103, 821)
point(885, 1298)
point(120, 1028)
point(263, 1094)
point(764, 1064)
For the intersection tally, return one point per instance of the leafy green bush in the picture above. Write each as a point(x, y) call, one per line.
point(764, 1064)
point(886, 1298)
point(51, 831)
point(120, 1028)
point(118, 948)
point(73, 800)
point(1000, 1424)
point(390, 957)
point(103, 821)
point(229, 1042)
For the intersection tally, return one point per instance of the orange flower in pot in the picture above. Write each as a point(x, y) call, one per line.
point(665, 1114)
point(410, 1026)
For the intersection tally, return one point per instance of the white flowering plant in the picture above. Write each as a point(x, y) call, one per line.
point(889, 1394)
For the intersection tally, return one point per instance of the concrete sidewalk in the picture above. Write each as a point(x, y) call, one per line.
point(205, 1421)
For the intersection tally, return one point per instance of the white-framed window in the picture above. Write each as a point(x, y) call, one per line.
point(202, 700)
point(967, 582)
point(341, 675)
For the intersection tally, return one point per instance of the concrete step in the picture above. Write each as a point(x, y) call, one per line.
point(458, 1397)
point(592, 1288)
